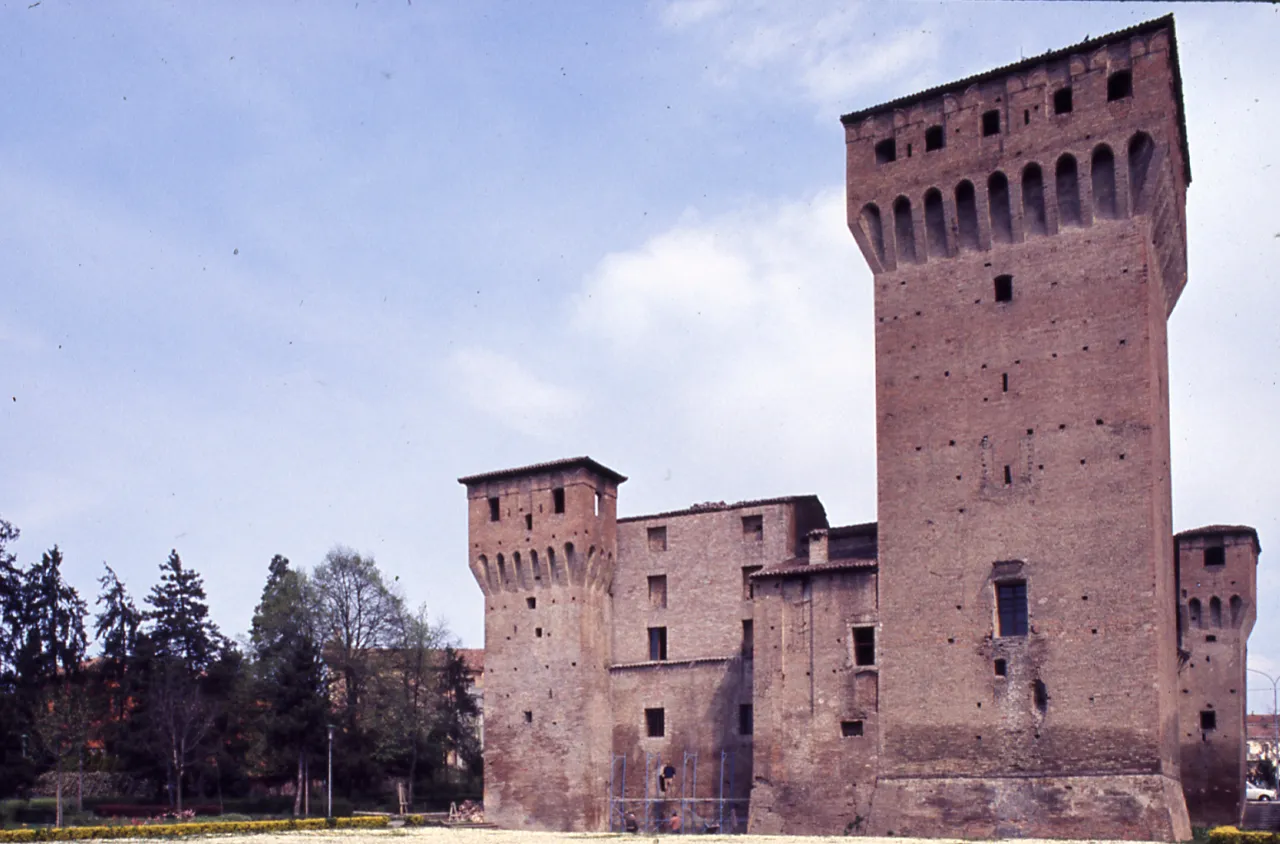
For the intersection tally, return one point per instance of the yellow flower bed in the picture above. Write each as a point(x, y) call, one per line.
point(1231, 835)
point(171, 830)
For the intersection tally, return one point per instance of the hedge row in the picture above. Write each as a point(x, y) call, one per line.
point(170, 830)
point(1231, 835)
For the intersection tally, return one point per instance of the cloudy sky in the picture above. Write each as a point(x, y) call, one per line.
point(274, 275)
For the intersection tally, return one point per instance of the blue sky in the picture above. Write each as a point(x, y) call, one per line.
point(273, 275)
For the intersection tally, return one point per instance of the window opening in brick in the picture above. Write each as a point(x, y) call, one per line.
point(557, 499)
point(934, 138)
point(1004, 288)
point(873, 229)
point(864, 646)
point(1208, 720)
point(1026, 117)
point(935, 225)
point(1062, 101)
point(1237, 611)
point(658, 538)
point(1001, 212)
point(658, 591)
point(655, 723)
point(1004, 382)
point(553, 571)
point(1215, 555)
point(535, 565)
point(1033, 199)
point(753, 528)
point(748, 638)
point(1141, 151)
point(528, 717)
point(1002, 668)
point(990, 123)
point(967, 215)
point(528, 521)
point(531, 603)
point(502, 571)
point(537, 632)
point(1068, 183)
point(657, 643)
point(570, 561)
point(745, 725)
point(1011, 605)
point(908, 150)
point(904, 230)
point(495, 509)
point(598, 498)
point(1103, 175)
point(1215, 611)
point(1193, 612)
point(886, 151)
point(1008, 476)
point(850, 729)
point(748, 586)
point(1211, 638)
point(1040, 693)
point(1119, 85)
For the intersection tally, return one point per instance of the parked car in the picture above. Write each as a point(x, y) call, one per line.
point(1252, 791)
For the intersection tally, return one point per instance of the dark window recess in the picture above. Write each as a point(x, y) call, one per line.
point(864, 646)
point(528, 521)
point(495, 509)
point(753, 528)
point(886, 151)
point(1211, 638)
point(748, 587)
point(658, 591)
point(1119, 85)
point(528, 717)
point(557, 499)
point(1011, 604)
point(934, 138)
point(1208, 720)
point(655, 725)
point(657, 539)
point(1004, 382)
point(1041, 694)
point(531, 603)
point(537, 632)
point(748, 638)
point(849, 729)
point(1002, 668)
point(1008, 476)
point(599, 499)
point(990, 123)
point(1004, 288)
point(1215, 555)
point(1062, 101)
point(657, 643)
point(745, 724)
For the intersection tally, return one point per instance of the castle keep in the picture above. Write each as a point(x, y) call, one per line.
point(1019, 646)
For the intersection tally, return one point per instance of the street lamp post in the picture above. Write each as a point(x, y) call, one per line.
point(24, 745)
point(330, 812)
point(1275, 719)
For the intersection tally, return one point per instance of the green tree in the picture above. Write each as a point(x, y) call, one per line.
point(15, 768)
point(456, 729)
point(416, 697)
point(179, 624)
point(116, 631)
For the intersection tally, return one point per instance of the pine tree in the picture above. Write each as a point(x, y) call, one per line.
point(116, 630)
point(179, 624)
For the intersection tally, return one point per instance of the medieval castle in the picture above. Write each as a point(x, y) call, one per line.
point(1020, 645)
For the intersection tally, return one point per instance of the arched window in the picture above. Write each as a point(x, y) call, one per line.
point(502, 572)
point(967, 215)
point(934, 223)
point(1215, 611)
point(873, 229)
point(1141, 150)
point(1103, 175)
point(1001, 213)
point(1193, 612)
point(1237, 611)
point(553, 570)
point(521, 576)
point(535, 565)
point(571, 563)
point(1033, 199)
point(1068, 183)
point(488, 573)
point(591, 560)
point(903, 229)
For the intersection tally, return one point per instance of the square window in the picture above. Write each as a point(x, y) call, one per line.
point(657, 643)
point(557, 499)
point(864, 646)
point(850, 729)
point(531, 603)
point(1002, 668)
point(658, 538)
point(1011, 603)
point(1208, 720)
point(753, 528)
point(495, 509)
point(748, 638)
point(886, 151)
point(745, 724)
point(655, 725)
point(1119, 85)
point(990, 123)
point(1062, 101)
point(934, 138)
point(1215, 555)
point(658, 591)
point(748, 588)
point(528, 717)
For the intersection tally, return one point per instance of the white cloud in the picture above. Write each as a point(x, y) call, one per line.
point(507, 390)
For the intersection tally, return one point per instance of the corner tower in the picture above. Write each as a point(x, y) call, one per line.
point(1026, 232)
point(542, 541)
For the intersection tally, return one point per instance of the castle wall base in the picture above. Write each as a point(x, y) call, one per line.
point(1134, 807)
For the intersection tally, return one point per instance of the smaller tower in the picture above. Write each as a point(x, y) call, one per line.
point(1217, 574)
point(541, 543)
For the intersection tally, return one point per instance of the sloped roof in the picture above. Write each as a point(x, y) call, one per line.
point(538, 468)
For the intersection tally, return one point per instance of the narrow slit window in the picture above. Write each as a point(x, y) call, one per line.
point(528, 521)
point(557, 499)
point(990, 123)
point(599, 499)
point(934, 138)
point(850, 729)
point(1119, 85)
point(745, 721)
point(864, 646)
point(1004, 288)
point(655, 722)
point(1062, 101)
point(886, 151)
point(1011, 605)
point(1008, 476)
point(495, 509)
point(657, 644)
point(1004, 382)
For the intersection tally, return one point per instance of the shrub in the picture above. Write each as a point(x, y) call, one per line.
point(1231, 835)
point(172, 830)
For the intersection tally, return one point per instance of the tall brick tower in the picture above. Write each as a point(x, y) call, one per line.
point(542, 541)
point(1026, 231)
